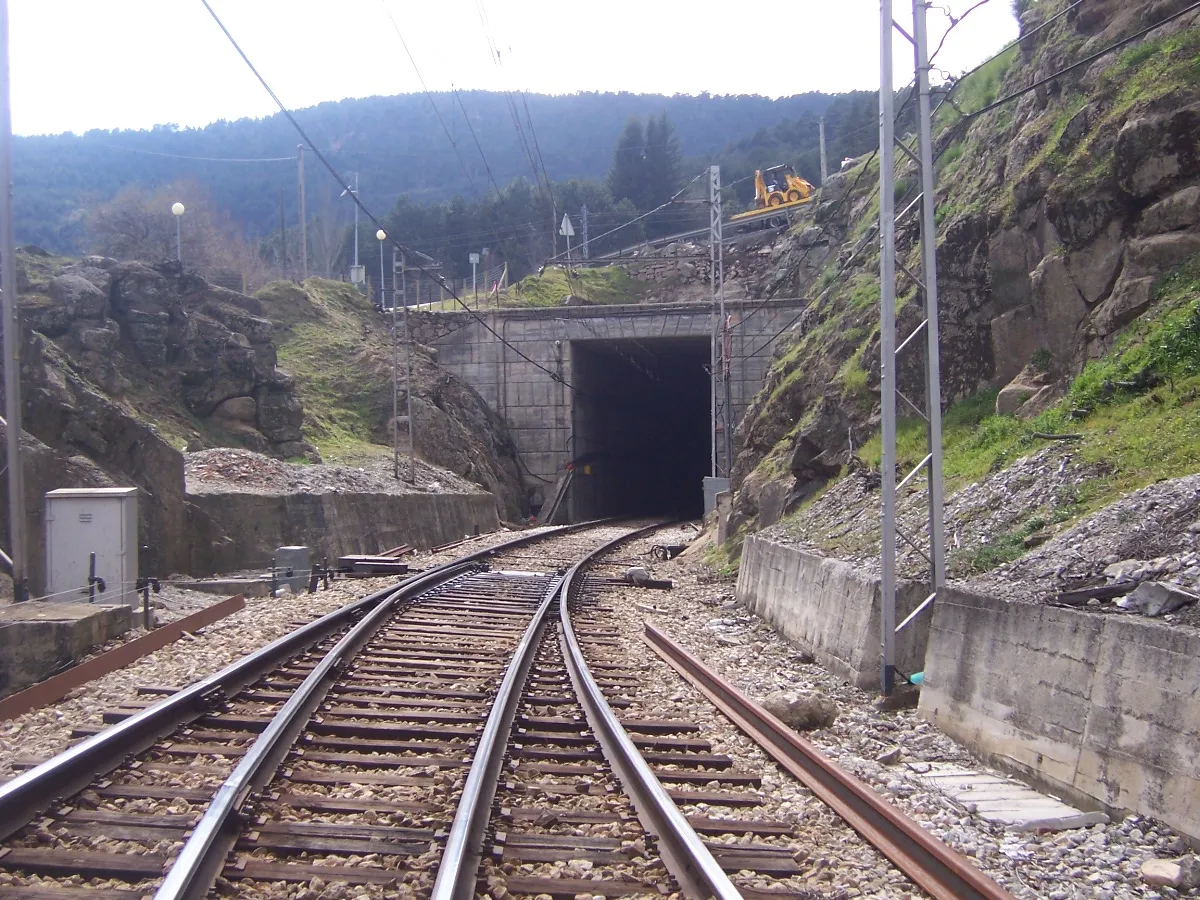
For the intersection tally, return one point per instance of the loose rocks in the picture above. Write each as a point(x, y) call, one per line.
point(802, 710)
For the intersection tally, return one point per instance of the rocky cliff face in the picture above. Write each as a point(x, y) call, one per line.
point(157, 337)
point(1059, 214)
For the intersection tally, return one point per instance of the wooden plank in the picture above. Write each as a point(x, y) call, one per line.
point(58, 686)
point(49, 892)
point(297, 872)
point(87, 863)
point(567, 888)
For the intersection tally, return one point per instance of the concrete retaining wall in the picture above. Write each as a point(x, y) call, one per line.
point(335, 524)
point(39, 639)
point(829, 608)
point(1102, 709)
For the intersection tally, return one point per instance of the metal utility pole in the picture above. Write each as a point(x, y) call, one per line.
point(933, 548)
point(412, 446)
point(282, 239)
point(584, 249)
point(721, 405)
point(395, 366)
point(11, 324)
point(474, 259)
point(303, 217)
point(824, 163)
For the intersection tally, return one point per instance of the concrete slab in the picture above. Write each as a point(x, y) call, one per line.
point(1005, 801)
point(40, 639)
point(247, 587)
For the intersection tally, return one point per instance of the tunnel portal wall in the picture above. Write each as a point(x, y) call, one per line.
point(534, 394)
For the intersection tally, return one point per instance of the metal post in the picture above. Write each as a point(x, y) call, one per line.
point(585, 249)
point(382, 294)
point(720, 360)
point(303, 217)
point(91, 578)
point(824, 162)
point(395, 379)
point(355, 198)
point(887, 351)
point(926, 283)
point(11, 326)
point(933, 370)
point(412, 447)
point(178, 244)
point(474, 286)
point(282, 239)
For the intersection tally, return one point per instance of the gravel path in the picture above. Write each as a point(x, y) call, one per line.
point(1100, 863)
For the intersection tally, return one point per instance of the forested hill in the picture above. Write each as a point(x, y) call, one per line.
point(397, 144)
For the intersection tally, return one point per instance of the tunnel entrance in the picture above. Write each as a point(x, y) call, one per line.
point(641, 432)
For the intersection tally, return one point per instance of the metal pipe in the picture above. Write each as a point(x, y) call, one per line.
point(12, 329)
point(395, 380)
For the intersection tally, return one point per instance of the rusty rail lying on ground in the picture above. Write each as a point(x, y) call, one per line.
point(58, 686)
point(933, 865)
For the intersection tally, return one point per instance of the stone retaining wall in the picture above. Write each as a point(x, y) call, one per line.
point(335, 524)
point(829, 608)
point(1102, 709)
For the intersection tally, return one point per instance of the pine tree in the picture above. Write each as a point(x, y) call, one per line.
point(627, 178)
point(663, 161)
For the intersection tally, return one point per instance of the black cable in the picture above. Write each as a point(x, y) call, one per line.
point(436, 276)
point(1083, 62)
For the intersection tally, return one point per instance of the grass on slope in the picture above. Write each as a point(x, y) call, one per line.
point(1137, 410)
point(321, 340)
point(607, 285)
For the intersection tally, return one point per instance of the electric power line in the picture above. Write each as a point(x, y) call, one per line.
point(436, 276)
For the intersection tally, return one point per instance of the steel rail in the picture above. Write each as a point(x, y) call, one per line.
point(463, 853)
point(202, 857)
point(685, 855)
point(930, 863)
point(69, 772)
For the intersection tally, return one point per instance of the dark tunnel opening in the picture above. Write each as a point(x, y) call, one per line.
point(642, 442)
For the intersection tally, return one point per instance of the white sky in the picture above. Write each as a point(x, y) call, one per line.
point(81, 64)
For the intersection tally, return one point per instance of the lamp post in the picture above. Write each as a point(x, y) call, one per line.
point(381, 235)
point(356, 273)
point(177, 211)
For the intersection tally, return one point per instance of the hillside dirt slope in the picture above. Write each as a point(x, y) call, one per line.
point(339, 349)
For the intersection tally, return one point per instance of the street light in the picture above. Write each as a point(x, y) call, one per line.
point(356, 272)
point(381, 236)
point(177, 211)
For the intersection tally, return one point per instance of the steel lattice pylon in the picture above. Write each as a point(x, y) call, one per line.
point(722, 394)
point(924, 277)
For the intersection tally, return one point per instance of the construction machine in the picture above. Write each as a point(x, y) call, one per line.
point(775, 190)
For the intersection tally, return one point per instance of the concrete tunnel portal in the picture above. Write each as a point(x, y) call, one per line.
point(641, 440)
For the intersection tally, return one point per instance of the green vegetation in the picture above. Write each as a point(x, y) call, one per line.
point(608, 285)
point(1136, 411)
point(981, 87)
point(321, 336)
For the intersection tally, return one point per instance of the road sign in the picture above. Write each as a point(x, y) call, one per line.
point(473, 259)
point(566, 228)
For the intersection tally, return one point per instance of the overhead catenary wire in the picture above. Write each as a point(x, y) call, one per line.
point(436, 276)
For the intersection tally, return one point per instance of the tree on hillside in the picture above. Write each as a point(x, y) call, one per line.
point(627, 178)
point(663, 161)
point(140, 225)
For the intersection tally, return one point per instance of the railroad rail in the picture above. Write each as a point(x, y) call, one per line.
point(471, 730)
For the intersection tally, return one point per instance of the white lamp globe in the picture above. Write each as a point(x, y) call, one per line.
point(381, 235)
point(177, 208)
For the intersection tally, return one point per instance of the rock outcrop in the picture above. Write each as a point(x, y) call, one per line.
point(136, 331)
point(1059, 214)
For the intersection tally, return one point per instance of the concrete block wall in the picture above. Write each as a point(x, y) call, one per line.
point(39, 639)
point(537, 407)
point(333, 525)
point(830, 609)
point(1099, 708)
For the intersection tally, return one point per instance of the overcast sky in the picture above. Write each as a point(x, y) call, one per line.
point(82, 64)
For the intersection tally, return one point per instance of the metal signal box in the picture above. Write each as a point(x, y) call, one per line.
point(82, 521)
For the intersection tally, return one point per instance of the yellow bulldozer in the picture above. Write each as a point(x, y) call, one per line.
point(776, 189)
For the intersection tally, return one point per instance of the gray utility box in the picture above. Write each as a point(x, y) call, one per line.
point(712, 487)
point(82, 521)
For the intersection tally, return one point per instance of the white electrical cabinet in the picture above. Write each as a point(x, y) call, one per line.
point(82, 521)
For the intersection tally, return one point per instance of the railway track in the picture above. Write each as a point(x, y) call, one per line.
point(472, 731)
